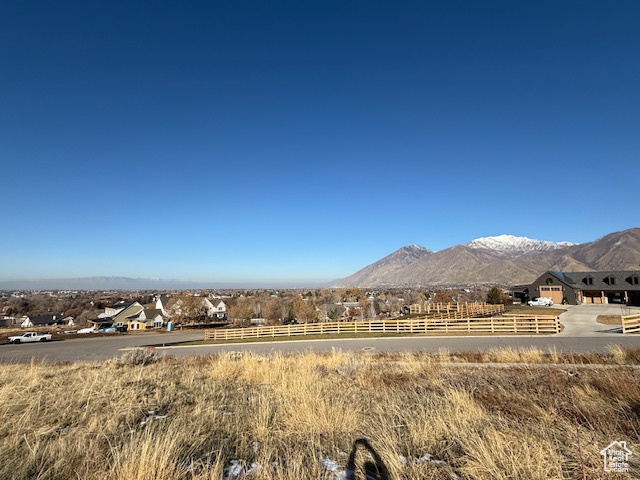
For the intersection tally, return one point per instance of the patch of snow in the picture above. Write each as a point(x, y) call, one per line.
point(334, 467)
point(234, 470)
point(253, 468)
point(330, 465)
point(152, 416)
point(428, 458)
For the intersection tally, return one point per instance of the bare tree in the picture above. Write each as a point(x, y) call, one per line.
point(305, 311)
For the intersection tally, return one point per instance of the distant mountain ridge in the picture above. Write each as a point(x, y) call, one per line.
point(503, 259)
point(98, 283)
point(128, 283)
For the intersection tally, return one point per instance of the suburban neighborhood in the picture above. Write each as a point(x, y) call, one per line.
point(320, 240)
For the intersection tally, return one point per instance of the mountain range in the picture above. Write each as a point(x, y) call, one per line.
point(498, 260)
point(128, 283)
point(502, 260)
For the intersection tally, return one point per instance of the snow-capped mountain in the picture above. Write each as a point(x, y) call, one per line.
point(512, 245)
point(416, 249)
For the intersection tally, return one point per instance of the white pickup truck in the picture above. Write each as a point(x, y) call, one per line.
point(30, 337)
point(540, 302)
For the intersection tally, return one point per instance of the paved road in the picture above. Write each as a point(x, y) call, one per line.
point(96, 348)
point(581, 334)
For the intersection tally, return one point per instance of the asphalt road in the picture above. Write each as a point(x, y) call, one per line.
point(96, 348)
point(581, 334)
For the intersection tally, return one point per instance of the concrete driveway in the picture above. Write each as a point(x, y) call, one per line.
point(580, 320)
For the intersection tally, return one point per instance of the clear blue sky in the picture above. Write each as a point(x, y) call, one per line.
point(303, 140)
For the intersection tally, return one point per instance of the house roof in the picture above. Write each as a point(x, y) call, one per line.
point(151, 313)
point(46, 319)
point(164, 299)
point(623, 280)
point(102, 321)
point(121, 304)
point(129, 312)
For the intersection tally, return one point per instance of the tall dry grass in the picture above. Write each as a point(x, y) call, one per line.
point(195, 418)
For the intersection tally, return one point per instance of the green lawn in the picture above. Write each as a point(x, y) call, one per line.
point(532, 310)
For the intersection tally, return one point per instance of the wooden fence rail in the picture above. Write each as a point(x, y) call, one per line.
point(470, 309)
point(507, 324)
point(630, 323)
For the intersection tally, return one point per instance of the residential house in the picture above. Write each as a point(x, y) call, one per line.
point(148, 318)
point(121, 313)
point(219, 309)
point(602, 287)
point(196, 308)
point(162, 303)
point(42, 321)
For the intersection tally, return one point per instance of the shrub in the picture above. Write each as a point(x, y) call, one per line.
point(139, 356)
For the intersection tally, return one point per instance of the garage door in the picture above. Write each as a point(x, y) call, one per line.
point(553, 292)
point(634, 298)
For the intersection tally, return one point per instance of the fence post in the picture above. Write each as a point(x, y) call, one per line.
point(515, 327)
point(622, 322)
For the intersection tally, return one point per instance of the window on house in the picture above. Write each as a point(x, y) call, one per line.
point(587, 280)
point(610, 280)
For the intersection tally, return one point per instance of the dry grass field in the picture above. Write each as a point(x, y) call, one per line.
point(526, 416)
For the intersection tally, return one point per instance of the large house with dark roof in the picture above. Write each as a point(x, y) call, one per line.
point(618, 287)
point(44, 320)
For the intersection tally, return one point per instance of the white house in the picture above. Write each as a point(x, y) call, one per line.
point(219, 309)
